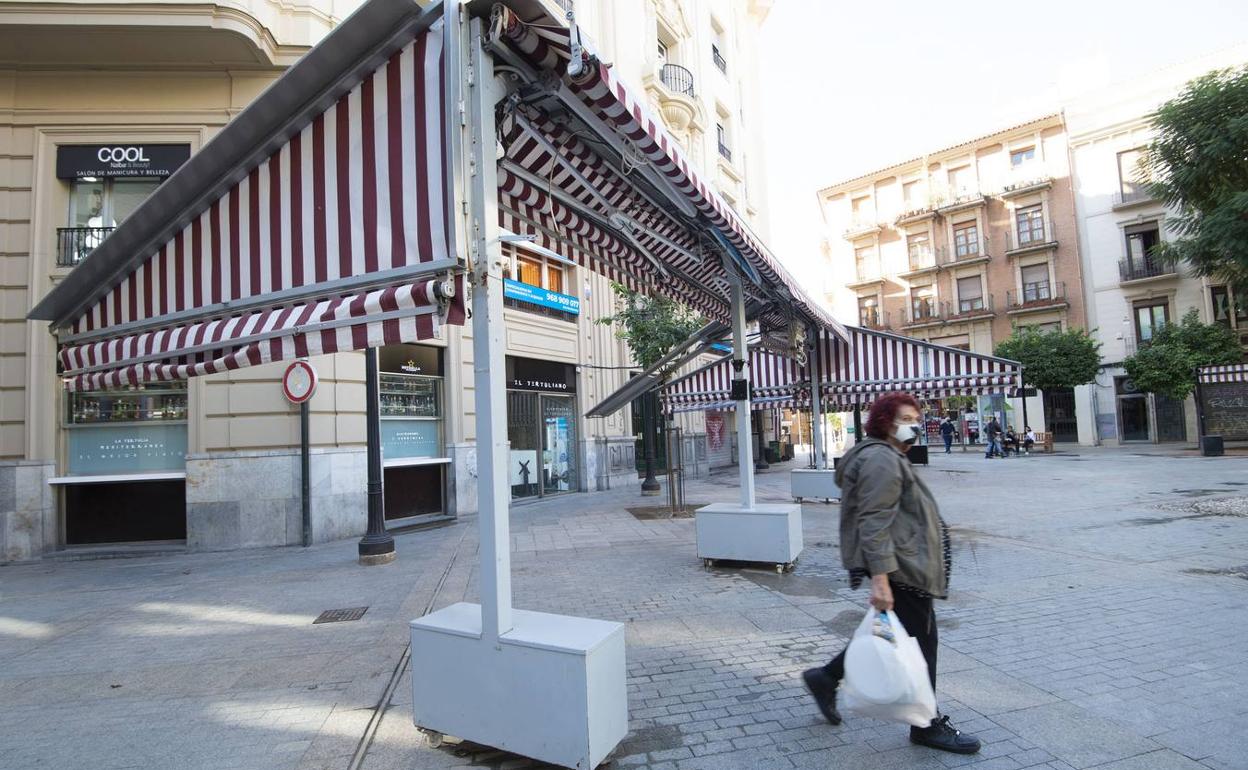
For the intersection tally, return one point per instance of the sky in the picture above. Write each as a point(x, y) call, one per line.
point(849, 88)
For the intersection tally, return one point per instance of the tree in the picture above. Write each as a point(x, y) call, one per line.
point(1056, 359)
point(1198, 165)
point(1166, 363)
point(651, 326)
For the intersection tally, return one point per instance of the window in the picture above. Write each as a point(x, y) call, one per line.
point(960, 181)
point(546, 274)
point(96, 206)
point(662, 53)
point(1140, 241)
point(922, 303)
point(130, 430)
point(1131, 179)
point(1149, 317)
point(1036, 283)
point(920, 249)
point(910, 195)
point(1049, 328)
point(1022, 157)
point(1229, 309)
point(966, 240)
point(864, 262)
point(1030, 225)
point(970, 294)
point(869, 312)
point(724, 149)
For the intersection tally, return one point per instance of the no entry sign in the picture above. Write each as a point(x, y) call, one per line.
point(299, 382)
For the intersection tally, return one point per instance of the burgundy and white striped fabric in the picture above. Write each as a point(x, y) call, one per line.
point(358, 190)
point(671, 241)
point(1226, 373)
point(382, 317)
point(855, 373)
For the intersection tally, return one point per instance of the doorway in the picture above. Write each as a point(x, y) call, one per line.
point(1132, 411)
point(542, 430)
point(1059, 413)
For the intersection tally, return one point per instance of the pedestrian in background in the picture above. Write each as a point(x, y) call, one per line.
point(1011, 441)
point(947, 429)
point(992, 434)
point(892, 535)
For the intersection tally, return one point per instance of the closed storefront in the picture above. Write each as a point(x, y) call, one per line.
point(542, 427)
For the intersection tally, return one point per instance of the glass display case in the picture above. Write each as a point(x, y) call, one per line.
point(135, 430)
point(137, 404)
point(411, 415)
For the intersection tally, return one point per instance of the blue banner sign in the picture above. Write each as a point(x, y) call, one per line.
point(141, 448)
point(536, 295)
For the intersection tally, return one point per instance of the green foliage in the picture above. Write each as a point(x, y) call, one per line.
point(1199, 167)
point(650, 325)
point(1056, 359)
point(1166, 363)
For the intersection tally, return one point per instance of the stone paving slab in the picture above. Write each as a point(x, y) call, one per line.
point(1067, 643)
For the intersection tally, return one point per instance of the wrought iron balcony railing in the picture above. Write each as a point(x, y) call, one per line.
point(725, 151)
point(1135, 270)
point(73, 244)
point(1029, 239)
point(677, 79)
point(924, 311)
point(1131, 195)
point(922, 259)
point(719, 59)
point(873, 319)
point(1039, 294)
point(977, 306)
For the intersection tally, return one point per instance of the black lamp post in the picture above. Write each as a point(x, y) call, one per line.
point(377, 546)
point(760, 457)
point(649, 485)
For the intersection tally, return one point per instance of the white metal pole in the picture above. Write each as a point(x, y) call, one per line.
point(741, 352)
point(487, 348)
point(816, 405)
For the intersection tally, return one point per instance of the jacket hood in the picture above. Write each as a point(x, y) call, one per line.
point(853, 452)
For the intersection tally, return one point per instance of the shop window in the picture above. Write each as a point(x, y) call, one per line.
point(549, 280)
point(966, 240)
point(970, 294)
point(1030, 223)
point(1149, 317)
point(137, 430)
point(410, 396)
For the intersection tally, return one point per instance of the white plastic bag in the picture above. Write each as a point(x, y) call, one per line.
point(886, 674)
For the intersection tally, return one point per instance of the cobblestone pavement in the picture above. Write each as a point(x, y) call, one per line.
point(1099, 619)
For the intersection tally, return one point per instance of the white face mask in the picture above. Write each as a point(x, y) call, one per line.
point(906, 432)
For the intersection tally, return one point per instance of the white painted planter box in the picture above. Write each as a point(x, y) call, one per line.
point(769, 532)
point(814, 484)
point(552, 689)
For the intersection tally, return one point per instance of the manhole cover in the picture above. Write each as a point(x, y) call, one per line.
point(341, 616)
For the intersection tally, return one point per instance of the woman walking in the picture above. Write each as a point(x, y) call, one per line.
point(892, 535)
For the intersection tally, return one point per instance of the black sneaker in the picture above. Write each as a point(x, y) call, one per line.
point(941, 735)
point(823, 689)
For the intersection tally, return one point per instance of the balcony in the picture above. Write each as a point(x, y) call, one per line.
point(677, 79)
point(864, 276)
point(968, 309)
point(873, 319)
point(960, 199)
point(922, 261)
point(1024, 180)
point(1147, 270)
point(1132, 195)
point(915, 212)
point(725, 151)
point(1036, 297)
point(719, 59)
point(859, 226)
point(1015, 247)
point(73, 244)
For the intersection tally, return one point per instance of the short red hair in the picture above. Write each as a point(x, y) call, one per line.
point(884, 413)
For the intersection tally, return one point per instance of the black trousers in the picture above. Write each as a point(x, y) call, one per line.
point(916, 614)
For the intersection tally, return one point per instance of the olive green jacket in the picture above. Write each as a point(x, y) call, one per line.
point(889, 520)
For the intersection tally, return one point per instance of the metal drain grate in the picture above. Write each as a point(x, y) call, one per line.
point(340, 616)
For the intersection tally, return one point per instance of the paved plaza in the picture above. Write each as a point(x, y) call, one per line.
point(1099, 619)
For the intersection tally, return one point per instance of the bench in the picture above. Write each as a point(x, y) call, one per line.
point(1044, 441)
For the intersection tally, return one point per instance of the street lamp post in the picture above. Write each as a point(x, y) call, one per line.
point(377, 546)
point(649, 485)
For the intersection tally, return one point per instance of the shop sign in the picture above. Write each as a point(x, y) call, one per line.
point(531, 374)
point(409, 438)
point(74, 161)
point(424, 360)
point(536, 295)
point(106, 449)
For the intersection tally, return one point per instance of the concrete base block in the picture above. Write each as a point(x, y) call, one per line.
point(814, 484)
point(553, 688)
point(28, 520)
point(770, 533)
point(377, 559)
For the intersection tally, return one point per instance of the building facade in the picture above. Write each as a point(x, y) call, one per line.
point(97, 108)
point(962, 245)
point(1129, 294)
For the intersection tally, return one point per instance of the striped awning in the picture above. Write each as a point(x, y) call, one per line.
point(388, 316)
point(336, 240)
point(1225, 373)
point(768, 402)
point(628, 197)
point(852, 374)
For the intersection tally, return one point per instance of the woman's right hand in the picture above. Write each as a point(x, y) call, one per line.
point(881, 593)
